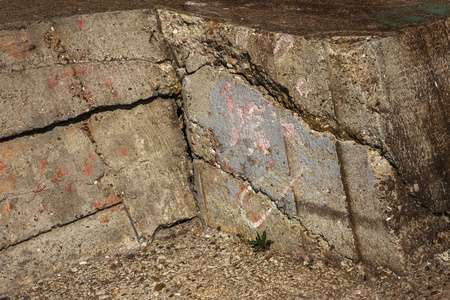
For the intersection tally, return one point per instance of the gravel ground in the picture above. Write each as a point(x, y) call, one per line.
point(192, 261)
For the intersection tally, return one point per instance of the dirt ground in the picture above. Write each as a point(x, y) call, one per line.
point(192, 261)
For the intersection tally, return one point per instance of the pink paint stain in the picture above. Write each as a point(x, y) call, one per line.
point(80, 22)
point(303, 87)
point(283, 40)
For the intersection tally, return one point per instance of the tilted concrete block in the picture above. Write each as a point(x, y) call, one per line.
point(59, 70)
point(246, 135)
point(146, 152)
point(108, 232)
point(48, 180)
point(233, 205)
point(347, 193)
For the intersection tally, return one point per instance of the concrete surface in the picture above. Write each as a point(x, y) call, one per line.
point(325, 125)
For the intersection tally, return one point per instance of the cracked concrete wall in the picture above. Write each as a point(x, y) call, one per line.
point(93, 157)
point(336, 146)
point(323, 114)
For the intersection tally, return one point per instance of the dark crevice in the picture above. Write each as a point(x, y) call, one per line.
point(83, 117)
point(131, 221)
point(170, 225)
point(165, 41)
point(78, 218)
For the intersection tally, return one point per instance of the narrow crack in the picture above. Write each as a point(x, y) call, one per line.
point(83, 117)
point(79, 218)
point(170, 225)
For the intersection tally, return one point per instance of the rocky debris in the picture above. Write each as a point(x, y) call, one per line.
point(192, 261)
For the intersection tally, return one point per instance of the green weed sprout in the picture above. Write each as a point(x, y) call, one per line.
point(261, 242)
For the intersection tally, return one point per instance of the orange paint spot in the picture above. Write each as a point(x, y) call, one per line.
point(124, 152)
point(68, 188)
point(2, 167)
point(60, 173)
point(116, 208)
point(43, 163)
point(105, 219)
point(88, 168)
point(2, 189)
point(68, 74)
point(211, 181)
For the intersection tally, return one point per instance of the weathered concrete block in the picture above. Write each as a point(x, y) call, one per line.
point(150, 170)
point(114, 36)
point(317, 183)
point(108, 232)
point(76, 89)
point(48, 180)
point(81, 64)
point(247, 135)
point(233, 205)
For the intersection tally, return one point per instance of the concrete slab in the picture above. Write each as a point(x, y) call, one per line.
point(48, 180)
point(108, 232)
point(149, 168)
point(233, 205)
point(73, 62)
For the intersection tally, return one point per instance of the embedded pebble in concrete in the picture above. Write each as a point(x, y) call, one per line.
point(223, 266)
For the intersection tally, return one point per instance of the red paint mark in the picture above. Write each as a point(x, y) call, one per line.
point(68, 188)
point(88, 168)
point(68, 74)
point(212, 180)
point(42, 208)
point(271, 165)
point(105, 219)
point(116, 208)
point(53, 82)
point(43, 163)
point(60, 173)
point(80, 22)
point(81, 70)
point(39, 188)
point(110, 199)
point(2, 167)
point(289, 129)
point(7, 208)
point(91, 156)
point(123, 152)
point(115, 92)
point(97, 204)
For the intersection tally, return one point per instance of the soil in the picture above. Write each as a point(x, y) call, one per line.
point(192, 261)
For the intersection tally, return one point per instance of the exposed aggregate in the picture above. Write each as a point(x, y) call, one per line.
point(192, 261)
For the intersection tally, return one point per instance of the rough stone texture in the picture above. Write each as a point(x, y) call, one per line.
point(317, 183)
point(48, 180)
point(338, 139)
point(146, 153)
point(134, 157)
point(108, 231)
point(345, 192)
point(233, 205)
point(81, 64)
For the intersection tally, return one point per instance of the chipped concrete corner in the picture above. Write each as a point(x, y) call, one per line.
point(334, 146)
